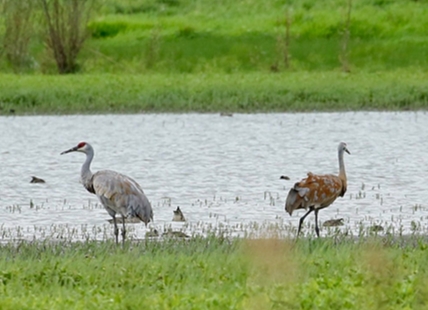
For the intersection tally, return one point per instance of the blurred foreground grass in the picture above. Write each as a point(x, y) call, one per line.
point(217, 273)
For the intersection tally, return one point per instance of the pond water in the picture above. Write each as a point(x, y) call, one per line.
point(223, 172)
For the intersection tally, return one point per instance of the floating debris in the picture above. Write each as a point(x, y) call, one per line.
point(128, 220)
point(174, 233)
point(152, 233)
point(284, 177)
point(334, 222)
point(36, 180)
point(226, 114)
point(376, 228)
point(178, 216)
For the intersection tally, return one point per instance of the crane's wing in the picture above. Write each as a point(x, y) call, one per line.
point(315, 190)
point(122, 194)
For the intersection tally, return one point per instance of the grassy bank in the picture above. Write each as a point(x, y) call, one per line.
point(217, 273)
point(257, 92)
point(204, 56)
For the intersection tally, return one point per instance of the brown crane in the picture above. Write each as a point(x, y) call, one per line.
point(317, 192)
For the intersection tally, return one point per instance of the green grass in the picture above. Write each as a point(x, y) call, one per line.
point(244, 36)
point(217, 273)
point(204, 56)
point(194, 36)
point(269, 92)
point(187, 36)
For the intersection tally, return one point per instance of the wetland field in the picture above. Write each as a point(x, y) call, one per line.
point(206, 104)
point(57, 247)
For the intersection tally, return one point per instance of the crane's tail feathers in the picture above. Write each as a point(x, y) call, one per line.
point(144, 219)
point(291, 200)
point(295, 199)
point(145, 214)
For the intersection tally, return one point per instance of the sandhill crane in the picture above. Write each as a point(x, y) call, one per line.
point(118, 193)
point(317, 192)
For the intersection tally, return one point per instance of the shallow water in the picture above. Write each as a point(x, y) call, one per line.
point(222, 171)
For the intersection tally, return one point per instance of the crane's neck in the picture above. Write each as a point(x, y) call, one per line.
point(86, 174)
point(342, 172)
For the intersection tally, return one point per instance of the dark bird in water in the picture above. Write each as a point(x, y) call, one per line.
point(178, 215)
point(333, 223)
point(317, 192)
point(36, 180)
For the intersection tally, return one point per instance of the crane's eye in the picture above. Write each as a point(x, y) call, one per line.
point(81, 144)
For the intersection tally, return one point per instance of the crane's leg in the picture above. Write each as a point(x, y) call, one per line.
point(116, 230)
point(123, 230)
point(302, 219)
point(317, 230)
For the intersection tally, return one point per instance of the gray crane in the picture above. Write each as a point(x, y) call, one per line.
point(317, 192)
point(118, 193)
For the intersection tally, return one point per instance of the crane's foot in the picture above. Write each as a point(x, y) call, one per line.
point(116, 234)
point(123, 237)
point(317, 230)
point(301, 221)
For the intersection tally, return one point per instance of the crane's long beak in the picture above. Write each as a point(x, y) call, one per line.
point(347, 151)
point(73, 149)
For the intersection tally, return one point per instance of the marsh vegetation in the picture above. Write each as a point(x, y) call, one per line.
point(334, 273)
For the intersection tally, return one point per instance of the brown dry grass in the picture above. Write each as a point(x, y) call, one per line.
point(272, 262)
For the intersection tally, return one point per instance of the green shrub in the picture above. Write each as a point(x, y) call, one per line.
point(105, 29)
